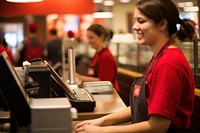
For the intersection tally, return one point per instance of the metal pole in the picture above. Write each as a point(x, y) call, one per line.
point(72, 66)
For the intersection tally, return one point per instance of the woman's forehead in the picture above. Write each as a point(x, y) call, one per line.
point(138, 14)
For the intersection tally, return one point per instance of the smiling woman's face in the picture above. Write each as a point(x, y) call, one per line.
point(147, 31)
point(94, 40)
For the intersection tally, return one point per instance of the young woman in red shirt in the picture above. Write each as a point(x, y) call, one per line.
point(162, 100)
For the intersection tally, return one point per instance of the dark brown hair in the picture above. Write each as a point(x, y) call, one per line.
point(99, 30)
point(157, 10)
point(187, 31)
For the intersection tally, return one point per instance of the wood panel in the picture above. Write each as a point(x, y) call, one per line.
point(125, 83)
point(195, 118)
point(125, 79)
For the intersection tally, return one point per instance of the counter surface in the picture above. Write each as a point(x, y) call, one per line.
point(105, 104)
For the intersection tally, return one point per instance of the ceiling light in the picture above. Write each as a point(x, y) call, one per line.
point(125, 1)
point(108, 2)
point(185, 4)
point(191, 9)
point(52, 16)
point(180, 5)
point(103, 15)
point(24, 1)
point(97, 1)
point(189, 4)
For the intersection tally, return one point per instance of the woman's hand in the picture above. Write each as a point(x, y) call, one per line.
point(88, 125)
point(89, 129)
point(78, 76)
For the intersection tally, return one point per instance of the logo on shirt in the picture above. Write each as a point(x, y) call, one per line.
point(90, 71)
point(137, 89)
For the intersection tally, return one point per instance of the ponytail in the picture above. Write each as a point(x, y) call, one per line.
point(186, 31)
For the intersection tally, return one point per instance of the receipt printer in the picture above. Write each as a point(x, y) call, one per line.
point(36, 80)
point(39, 75)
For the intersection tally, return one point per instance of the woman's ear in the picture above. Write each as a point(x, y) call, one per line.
point(163, 25)
point(102, 37)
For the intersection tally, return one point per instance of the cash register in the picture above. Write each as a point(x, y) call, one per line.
point(44, 115)
point(51, 85)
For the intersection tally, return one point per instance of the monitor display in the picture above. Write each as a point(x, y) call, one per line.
point(13, 93)
point(58, 86)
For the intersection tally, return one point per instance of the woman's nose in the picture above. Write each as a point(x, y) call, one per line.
point(135, 26)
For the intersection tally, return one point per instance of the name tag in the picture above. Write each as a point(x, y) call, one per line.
point(137, 89)
point(90, 71)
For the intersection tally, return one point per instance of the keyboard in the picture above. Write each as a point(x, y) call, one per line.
point(84, 102)
point(82, 94)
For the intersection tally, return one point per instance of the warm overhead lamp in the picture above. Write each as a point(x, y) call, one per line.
point(108, 2)
point(191, 9)
point(125, 1)
point(185, 4)
point(24, 1)
point(103, 15)
point(189, 4)
point(97, 1)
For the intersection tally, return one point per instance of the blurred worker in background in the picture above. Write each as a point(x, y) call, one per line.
point(32, 46)
point(4, 47)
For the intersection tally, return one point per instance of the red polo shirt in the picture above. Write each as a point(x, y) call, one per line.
point(106, 67)
point(171, 88)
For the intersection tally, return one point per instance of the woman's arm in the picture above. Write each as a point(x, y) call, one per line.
point(117, 118)
point(111, 119)
point(156, 124)
point(86, 78)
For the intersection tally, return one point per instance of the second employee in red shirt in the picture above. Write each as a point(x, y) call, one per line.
point(103, 66)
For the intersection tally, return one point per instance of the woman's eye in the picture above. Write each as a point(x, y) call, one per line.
point(141, 21)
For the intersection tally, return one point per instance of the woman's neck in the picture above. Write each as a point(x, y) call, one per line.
point(156, 46)
point(101, 47)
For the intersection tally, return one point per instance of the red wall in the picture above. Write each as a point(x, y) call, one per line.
point(47, 7)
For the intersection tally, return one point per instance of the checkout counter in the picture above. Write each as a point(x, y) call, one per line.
point(105, 104)
point(112, 102)
point(34, 110)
